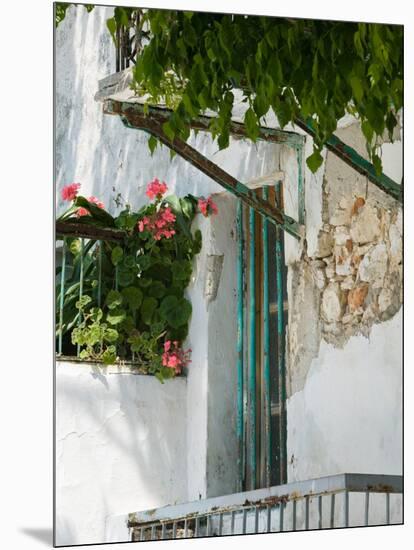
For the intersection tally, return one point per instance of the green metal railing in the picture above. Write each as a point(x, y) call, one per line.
point(75, 273)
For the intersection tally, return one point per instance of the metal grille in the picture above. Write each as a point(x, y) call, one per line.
point(346, 500)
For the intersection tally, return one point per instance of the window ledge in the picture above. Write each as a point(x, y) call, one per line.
point(121, 367)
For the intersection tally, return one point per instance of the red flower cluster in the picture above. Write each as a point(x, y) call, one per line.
point(207, 206)
point(83, 212)
point(175, 357)
point(70, 191)
point(160, 224)
point(156, 189)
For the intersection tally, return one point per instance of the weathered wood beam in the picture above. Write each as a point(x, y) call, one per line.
point(74, 229)
point(119, 82)
point(358, 163)
point(133, 116)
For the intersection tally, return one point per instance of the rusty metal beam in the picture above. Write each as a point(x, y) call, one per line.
point(358, 163)
point(133, 116)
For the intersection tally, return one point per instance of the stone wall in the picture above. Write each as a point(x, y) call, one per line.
point(353, 276)
point(344, 340)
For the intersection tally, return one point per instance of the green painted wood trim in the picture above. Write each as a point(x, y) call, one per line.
point(357, 162)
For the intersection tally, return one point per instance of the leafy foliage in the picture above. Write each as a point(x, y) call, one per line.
point(318, 70)
point(308, 69)
point(133, 292)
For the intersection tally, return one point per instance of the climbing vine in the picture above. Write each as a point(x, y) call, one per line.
point(132, 302)
point(308, 69)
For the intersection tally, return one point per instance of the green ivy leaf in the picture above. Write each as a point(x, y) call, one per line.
point(152, 144)
point(376, 161)
point(111, 24)
point(252, 124)
point(168, 130)
point(357, 88)
point(314, 161)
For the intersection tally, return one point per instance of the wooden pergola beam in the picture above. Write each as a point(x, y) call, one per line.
point(78, 229)
point(133, 116)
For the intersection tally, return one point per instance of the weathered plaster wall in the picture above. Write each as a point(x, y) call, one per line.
point(332, 336)
point(222, 449)
point(97, 151)
point(120, 446)
point(100, 153)
point(344, 338)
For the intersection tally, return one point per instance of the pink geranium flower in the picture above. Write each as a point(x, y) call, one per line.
point(70, 191)
point(84, 212)
point(175, 357)
point(207, 206)
point(156, 189)
point(159, 224)
point(97, 202)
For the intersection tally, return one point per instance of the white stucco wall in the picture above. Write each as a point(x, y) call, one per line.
point(120, 443)
point(348, 417)
point(117, 433)
point(97, 151)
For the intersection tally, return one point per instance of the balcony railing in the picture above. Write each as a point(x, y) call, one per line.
point(345, 500)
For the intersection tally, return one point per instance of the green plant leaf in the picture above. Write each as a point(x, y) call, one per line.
point(116, 255)
point(113, 299)
point(157, 289)
point(144, 261)
point(116, 316)
point(83, 302)
point(99, 214)
point(175, 311)
point(111, 24)
point(126, 277)
point(109, 355)
point(149, 305)
point(110, 335)
point(132, 297)
point(152, 144)
point(181, 270)
point(314, 161)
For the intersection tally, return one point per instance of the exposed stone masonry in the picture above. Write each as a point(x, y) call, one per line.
point(353, 278)
point(358, 268)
